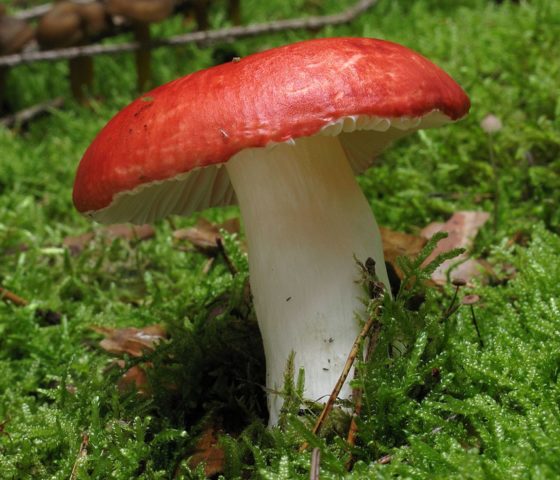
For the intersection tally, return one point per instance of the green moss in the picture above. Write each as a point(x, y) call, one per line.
point(434, 400)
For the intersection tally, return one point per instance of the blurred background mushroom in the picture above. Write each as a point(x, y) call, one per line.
point(15, 34)
point(200, 10)
point(141, 13)
point(70, 24)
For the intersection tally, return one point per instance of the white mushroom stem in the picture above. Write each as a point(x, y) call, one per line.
point(305, 218)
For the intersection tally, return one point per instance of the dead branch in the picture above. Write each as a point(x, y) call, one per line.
point(205, 37)
point(315, 464)
point(82, 453)
point(33, 13)
point(8, 296)
point(357, 396)
point(231, 267)
point(26, 115)
point(345, 371)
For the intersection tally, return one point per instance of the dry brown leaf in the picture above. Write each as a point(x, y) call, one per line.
point(132, 341)
point(208, 451)
point(462, 228)
point(398, 244)
point(205, 235)
point(124, 231)
point(137, 378)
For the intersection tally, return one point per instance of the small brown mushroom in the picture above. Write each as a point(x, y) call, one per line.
point(234, 11)
point(69, 24)
point(200, 10)
point(60, 27)
point(15, 34)
point(141, 13)
point(95, 20)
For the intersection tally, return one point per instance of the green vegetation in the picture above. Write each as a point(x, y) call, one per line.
point(448, 406)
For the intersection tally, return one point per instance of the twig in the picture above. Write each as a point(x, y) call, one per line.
point(315, 464)
point(345, 371)
point(24, 116)
point(353, 429)
point(8, 296)
point(33, 13)
point(385, 459)
point(231, 267)
point(357, 395)
point(207, 36)
point(81, 454)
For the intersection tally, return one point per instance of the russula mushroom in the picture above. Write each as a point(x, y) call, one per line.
point(141, 13)
point(69, 24)
point(282, 132)
point(15, 34)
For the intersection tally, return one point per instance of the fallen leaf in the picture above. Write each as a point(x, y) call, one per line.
point(124, 231)
point(205, 235)
point(208, 451)
point(137, 378)
point(398, 244)
point(132, 341)
point(520, 237)
point(462, 228)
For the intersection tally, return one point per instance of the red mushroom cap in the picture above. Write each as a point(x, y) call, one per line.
point(205, 118)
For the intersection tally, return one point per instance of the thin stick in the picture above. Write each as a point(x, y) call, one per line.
point(357, 395)
point(345, 371)
point(24, 116)
point(81, 454)
point(34, 13)
point(231, 267)
point(315, 464)
point(385, 459)
point(206, 37)
point(8, 296)
point(353, 429)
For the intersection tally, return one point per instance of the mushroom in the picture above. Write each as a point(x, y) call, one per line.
point(141, 13)
point(200, 9)
point(69, 24)
point(95, 20)
point(60, 27)
point(15, 34)
point(281, 132)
